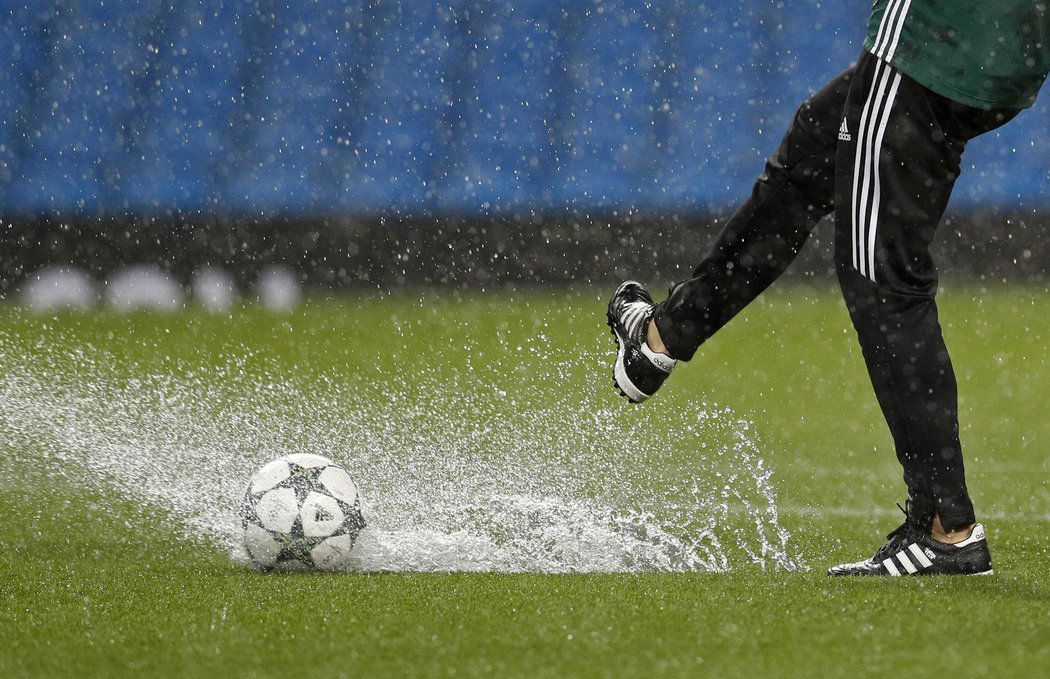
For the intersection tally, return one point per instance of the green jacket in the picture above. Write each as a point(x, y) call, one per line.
point(982, 53)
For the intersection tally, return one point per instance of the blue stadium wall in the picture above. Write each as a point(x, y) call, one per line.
point(244, 109)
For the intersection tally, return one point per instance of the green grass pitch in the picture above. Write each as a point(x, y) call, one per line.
point(97, 583)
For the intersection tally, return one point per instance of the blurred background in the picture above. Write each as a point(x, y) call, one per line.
point(460, 143)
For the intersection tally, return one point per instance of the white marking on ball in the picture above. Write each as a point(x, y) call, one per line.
point(308, 460)
point(337, 482)
point(261, 545)
point(269, 476)
point(278, 509)
point(320, 515)
point(333, 553)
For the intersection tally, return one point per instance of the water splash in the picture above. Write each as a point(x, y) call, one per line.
point(457, 476)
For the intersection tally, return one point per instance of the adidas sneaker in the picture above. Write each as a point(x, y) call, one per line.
point(639, 371)
point(910, 551)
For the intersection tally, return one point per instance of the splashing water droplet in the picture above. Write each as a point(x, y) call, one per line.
point(455, 476)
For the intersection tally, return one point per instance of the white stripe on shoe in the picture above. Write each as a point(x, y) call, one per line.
point(634, 316)
point(923, 560)
point(907, 558)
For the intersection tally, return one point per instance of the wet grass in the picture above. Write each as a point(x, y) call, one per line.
point(95, 586)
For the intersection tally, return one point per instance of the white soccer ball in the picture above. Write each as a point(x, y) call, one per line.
point(301, 512)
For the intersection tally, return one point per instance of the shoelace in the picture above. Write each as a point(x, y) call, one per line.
point(896, 540)
point(897, 537)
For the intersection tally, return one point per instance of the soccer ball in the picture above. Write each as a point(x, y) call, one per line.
point(301, 512)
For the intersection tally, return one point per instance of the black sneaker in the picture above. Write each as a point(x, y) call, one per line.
point(639, 371)
point(914, 552)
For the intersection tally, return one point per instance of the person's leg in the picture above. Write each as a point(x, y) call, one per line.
point(893, 182)
point(765, 234)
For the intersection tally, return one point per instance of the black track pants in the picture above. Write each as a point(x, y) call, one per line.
point(765, 234)
point(883, 152)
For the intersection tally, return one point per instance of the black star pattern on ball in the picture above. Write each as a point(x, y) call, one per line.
point(304, 480)
point(295, 546)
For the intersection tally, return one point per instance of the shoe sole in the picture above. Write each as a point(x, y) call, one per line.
point(620, 379)
point(990, 571)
